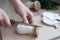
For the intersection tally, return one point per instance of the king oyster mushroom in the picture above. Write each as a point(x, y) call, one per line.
point(25, 29)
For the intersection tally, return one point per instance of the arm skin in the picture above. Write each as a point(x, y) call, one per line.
point(22, 11)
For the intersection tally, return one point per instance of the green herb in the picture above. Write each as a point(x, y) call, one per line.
point(48, 4)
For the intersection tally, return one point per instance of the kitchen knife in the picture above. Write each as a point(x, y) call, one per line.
point(21, 22)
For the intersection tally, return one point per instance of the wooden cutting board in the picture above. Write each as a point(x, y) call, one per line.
point(9, 33)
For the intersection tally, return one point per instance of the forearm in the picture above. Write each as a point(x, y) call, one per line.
point(18, 6)
point(16, 3)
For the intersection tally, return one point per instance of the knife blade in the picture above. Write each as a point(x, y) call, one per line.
point(21, 22)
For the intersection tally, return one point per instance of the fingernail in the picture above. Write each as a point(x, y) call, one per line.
point(26, 22)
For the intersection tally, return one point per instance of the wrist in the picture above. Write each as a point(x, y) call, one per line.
point(15, 2)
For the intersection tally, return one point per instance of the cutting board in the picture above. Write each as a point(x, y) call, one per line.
point(45, 32)
point(9, 33)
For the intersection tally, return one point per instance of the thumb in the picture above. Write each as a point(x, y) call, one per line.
point(6, 19)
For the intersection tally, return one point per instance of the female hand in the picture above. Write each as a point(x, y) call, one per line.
point(25, 14)
point(22, 11)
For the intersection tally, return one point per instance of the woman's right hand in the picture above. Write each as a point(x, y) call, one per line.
point(4, 20)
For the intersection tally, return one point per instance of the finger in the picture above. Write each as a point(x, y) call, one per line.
point(6, 19)
point(30, 18)
point(25, 19)
point(2, 20)
point(2, 23)
point(7, 22)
